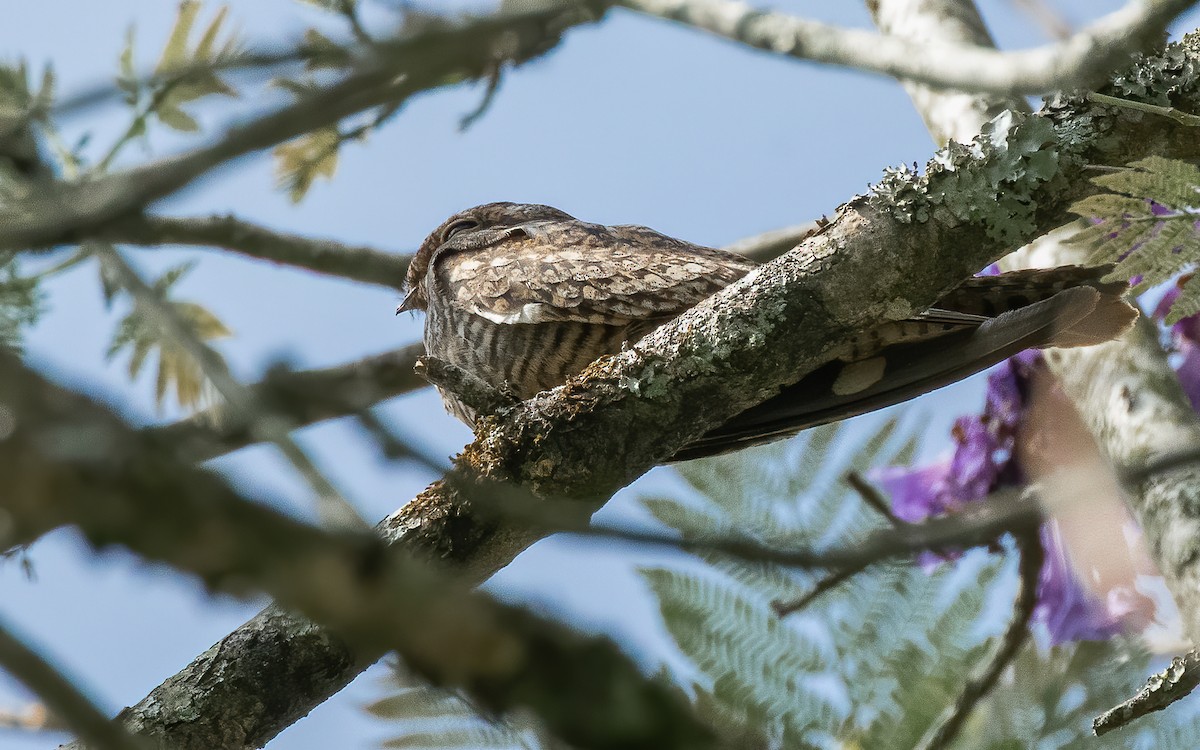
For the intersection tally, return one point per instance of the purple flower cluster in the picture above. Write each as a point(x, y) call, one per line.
point(983, 461)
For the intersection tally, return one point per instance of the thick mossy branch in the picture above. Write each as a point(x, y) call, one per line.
point(898, 249)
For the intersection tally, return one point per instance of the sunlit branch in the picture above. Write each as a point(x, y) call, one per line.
point(1071, 63)
point(1176, 681)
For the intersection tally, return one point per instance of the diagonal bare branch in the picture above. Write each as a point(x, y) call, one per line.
point(66, 459)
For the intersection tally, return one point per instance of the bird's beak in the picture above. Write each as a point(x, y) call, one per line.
point(407, 303)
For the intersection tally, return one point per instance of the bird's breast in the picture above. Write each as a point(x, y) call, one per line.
point(524, 358)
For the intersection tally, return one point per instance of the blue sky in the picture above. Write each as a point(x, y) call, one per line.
point(630, 121)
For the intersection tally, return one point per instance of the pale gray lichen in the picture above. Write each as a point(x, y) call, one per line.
point(1158, 78)
point(902, 191)
point(990, 181)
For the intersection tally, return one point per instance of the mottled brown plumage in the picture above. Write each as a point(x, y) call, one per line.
point(525, 296)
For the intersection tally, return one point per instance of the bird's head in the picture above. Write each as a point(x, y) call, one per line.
point(475, 227)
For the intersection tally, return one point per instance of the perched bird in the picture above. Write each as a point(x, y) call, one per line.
point(525, 296)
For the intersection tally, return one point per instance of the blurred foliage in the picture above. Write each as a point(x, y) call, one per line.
point(184, 74)
point(23, 110)
point(870, 663)
point(299, 162)
point(37, 150)
point(177, 369)
point(1147, 222)
point(21, 302)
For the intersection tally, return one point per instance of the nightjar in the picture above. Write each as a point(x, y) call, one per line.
point(525, 296)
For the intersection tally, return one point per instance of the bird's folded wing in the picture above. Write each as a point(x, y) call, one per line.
point(592, 274)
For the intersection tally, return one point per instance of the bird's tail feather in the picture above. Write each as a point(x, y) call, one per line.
point(1076, 316)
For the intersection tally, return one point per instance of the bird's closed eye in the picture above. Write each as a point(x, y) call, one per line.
point(461, 225)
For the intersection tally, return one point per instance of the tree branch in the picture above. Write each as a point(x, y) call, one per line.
point(898, 250)
point(1161, 690)
point(358, 263)
point(1079, 61)
point(316, 395)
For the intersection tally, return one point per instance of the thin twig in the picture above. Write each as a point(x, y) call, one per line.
point(355, 262)
point(62, 212)
point(1029, 567)
point(332, 507)
point(304, 396)
point(1183, 118)
point(475, 393)
point(980, 524)
point(349, 11)
point(1176, 681)
point(828, 582)
point(770, 245)
point(395, 448)
point(485, 103)
point(874, 499)
point(62, 697)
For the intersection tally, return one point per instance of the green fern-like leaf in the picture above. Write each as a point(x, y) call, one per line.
point(177, 369)
point(762, 671)
point(1147, 223)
